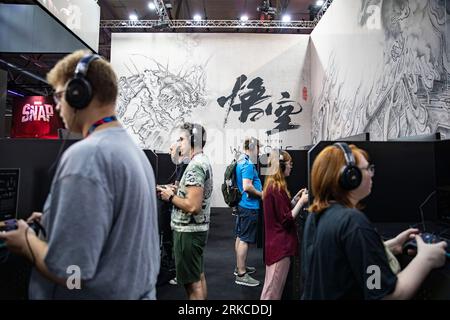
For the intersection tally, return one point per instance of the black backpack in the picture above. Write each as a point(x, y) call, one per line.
point(230, 190)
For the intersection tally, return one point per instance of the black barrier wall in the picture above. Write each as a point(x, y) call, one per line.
point(406, 174)
point(3, 92)
point(296, 181)
point(37, 161)
point(166, 169)
point(442, 160)
point(153, 159)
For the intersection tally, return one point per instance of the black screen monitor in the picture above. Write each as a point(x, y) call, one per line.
point(166, 169)
point(422, 137)
point(153, 158)
point(443, 204)
point(9, 193)
point(37, 160)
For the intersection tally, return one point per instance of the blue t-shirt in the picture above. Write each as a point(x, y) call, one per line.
point(245, 169)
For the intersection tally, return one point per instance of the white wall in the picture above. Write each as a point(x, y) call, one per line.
point(381, 67)
point(166, 79)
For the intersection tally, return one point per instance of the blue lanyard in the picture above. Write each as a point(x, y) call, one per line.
point(100, 122)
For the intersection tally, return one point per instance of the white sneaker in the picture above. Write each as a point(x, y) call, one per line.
point(173, 281)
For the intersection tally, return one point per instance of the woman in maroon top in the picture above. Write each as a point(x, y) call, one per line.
point(279, 221)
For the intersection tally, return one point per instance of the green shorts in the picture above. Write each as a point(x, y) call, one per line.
point(188, 250)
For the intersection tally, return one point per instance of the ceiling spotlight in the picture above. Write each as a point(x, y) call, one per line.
point(319, 2)
point(133, 17)
point(265, 8)
point(197, 17)
point(286, 18)
point(151, 6)
point(244, 18)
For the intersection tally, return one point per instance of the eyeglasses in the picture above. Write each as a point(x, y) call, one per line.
point(370, 168)
point(57, 96)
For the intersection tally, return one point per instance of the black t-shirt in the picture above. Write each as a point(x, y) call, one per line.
point(341, 254)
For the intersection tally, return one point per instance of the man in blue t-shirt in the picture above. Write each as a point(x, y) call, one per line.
point(250, 186)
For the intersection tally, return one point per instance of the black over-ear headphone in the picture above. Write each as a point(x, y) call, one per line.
point(351, 175)
point(250, 144)
point(193, 132)
point(197, 134)
point(282, 162)
point(79, 90)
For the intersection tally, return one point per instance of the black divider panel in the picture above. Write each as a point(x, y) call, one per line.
point(405, 176)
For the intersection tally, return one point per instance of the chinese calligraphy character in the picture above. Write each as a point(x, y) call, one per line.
point(283, 114)
point(244, 98)
point(249, 96)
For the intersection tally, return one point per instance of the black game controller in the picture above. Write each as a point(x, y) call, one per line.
point(427, 238)
point(9, 225)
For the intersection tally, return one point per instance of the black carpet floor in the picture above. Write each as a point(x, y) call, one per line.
point(220, 262)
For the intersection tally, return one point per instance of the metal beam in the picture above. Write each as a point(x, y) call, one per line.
point(322, 10)
point(165, 23)
point(219, 24)
point(162, 11)
point(21, 70)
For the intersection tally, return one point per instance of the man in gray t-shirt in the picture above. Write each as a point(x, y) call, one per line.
point(100, 216)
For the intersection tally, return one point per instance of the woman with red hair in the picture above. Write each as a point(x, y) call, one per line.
point(281, 241)
point(343, 256)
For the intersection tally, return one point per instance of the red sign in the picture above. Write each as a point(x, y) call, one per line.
point(305, 93)
point(35, 117)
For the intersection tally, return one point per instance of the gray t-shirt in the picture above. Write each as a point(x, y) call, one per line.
point(101, 216)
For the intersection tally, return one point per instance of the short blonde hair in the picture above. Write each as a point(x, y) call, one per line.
point(100, 75)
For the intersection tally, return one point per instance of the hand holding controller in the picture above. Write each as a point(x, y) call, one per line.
point(427, 238)
point(15, 235)
point(9, 225)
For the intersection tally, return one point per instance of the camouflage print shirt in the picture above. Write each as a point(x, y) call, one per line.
point(199, 174)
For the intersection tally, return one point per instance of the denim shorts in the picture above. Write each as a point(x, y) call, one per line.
point(246, 224)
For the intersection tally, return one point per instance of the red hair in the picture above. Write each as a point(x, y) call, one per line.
point(276, 179)
point(325, 176)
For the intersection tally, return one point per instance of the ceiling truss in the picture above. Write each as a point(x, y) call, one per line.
point(203, 24)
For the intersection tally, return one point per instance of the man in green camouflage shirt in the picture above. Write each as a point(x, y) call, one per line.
point(191, 212)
